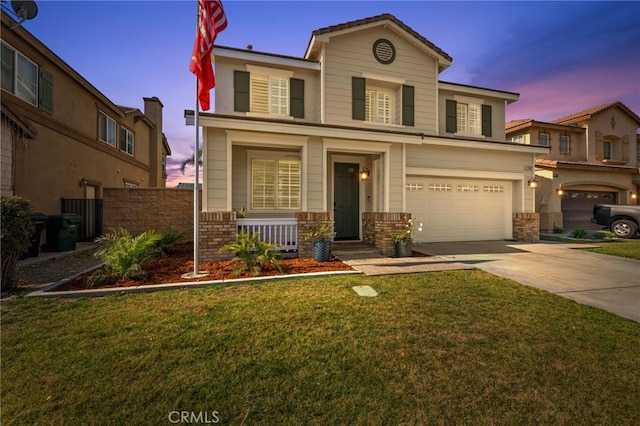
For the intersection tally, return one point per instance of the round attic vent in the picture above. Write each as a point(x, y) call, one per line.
point(384, 51)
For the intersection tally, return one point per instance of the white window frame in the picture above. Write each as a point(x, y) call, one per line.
point(110, 128)
point(469, 116)
point(129, 141)
point(23, 86)
point(283, 198)
point(274, 85)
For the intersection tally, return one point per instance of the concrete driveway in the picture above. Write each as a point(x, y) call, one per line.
point(607, 282)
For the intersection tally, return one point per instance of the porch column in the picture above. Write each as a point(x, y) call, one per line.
point(217, 229)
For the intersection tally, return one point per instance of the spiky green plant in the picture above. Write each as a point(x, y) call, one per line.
point(16, 228)
point(170, 238)
point(124, 255)
point(253, 254)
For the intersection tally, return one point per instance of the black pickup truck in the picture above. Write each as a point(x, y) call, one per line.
point(624, 221)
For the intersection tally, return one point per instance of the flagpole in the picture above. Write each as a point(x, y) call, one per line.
point(196, 158)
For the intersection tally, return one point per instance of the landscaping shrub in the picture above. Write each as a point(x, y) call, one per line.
point(557, 230)
point(16, 229)
point(580, 233)
point(604, 235)
point(170, 238)
point(124, 255)
point(253, 253)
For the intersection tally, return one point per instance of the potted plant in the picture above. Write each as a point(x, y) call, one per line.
point(403, 236)
point(320, 234)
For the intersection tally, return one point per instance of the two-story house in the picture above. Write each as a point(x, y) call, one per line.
point(63, 139)
point(593, 159)
point(361, 128)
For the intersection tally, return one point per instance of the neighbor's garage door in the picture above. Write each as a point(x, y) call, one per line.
point(577, 208)
point(460, 209)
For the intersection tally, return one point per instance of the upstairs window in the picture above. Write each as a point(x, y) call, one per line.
point(268, 91)
point(126, 141)
point(106, 129)
point(607, 150)
point(19, 75)
point(565, 144)
point(472, 118)
point(378, 106)
point(544, 139)
point(379, 99)
point(516, 139)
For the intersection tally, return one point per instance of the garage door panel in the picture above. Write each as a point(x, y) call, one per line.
point(459, 209)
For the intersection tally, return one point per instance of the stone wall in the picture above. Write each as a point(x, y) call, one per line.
point(526, 227)
point(141, 209)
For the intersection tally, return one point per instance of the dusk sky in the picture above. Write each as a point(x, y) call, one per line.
point(561, 57)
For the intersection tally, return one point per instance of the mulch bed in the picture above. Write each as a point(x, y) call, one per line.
point(170, 268)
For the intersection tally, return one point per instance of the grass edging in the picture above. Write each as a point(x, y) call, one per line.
point(150, 288)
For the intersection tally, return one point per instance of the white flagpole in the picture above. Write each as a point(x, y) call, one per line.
point(196, 158)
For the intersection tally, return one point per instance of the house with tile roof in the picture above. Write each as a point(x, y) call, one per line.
point(63, 141)
point(594, 158)
point(361, 131)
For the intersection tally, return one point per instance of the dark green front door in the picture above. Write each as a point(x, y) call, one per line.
point(346, 204)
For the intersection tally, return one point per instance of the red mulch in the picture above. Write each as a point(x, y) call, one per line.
point(170, 268)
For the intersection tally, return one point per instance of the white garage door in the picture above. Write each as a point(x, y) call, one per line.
point(460, 209)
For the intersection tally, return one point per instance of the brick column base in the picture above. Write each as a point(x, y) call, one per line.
point(526, 227)
point(217, 229)
point(305, 221)
point(378, 227)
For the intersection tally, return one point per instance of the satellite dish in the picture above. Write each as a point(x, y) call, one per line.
point(24, 9)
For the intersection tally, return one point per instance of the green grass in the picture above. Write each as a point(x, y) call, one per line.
point(622, 248)
point(461, 347)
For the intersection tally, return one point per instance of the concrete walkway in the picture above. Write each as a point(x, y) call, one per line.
point(608, 282)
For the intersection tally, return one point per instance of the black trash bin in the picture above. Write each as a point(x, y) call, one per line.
point(39, 223)
point(62, 231)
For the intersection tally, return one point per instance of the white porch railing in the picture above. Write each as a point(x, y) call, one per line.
point(281, 232)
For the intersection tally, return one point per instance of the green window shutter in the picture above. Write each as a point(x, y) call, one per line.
point(358, 98)
point(123, 139)
point(452, 116)
point(408, 114)
point(486, 120)
point(241, 91)
point(296, 97)
point(45, 91)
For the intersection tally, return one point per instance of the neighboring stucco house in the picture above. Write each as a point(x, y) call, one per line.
point(361, 130)
point(594, 158)
point(62, 138)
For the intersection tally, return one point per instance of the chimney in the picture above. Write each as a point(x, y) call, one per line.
point(153, 111)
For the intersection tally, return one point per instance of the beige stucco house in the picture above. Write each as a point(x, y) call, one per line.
point(62, 138)
point(361, 129)
point(594, 158)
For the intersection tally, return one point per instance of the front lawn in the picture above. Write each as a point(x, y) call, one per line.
point(622, 248)
point(461, 347)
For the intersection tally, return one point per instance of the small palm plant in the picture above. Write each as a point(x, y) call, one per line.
point(253, 253)
point(124, 255)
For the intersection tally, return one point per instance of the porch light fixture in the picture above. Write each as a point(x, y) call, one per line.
point(532, 183)
point(559, 191)
point(364, 173)
point(633, 195)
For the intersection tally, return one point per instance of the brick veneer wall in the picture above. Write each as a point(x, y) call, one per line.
point(378, 227)
point(141, 209)
point(526, 227)
point(305, 221)
point(217, 229)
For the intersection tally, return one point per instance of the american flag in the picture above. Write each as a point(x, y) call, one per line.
point(211, 20)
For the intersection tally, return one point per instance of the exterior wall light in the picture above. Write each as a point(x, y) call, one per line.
point(559, 191)
point(364, 173)
point(634, 196)
point(532, 183)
